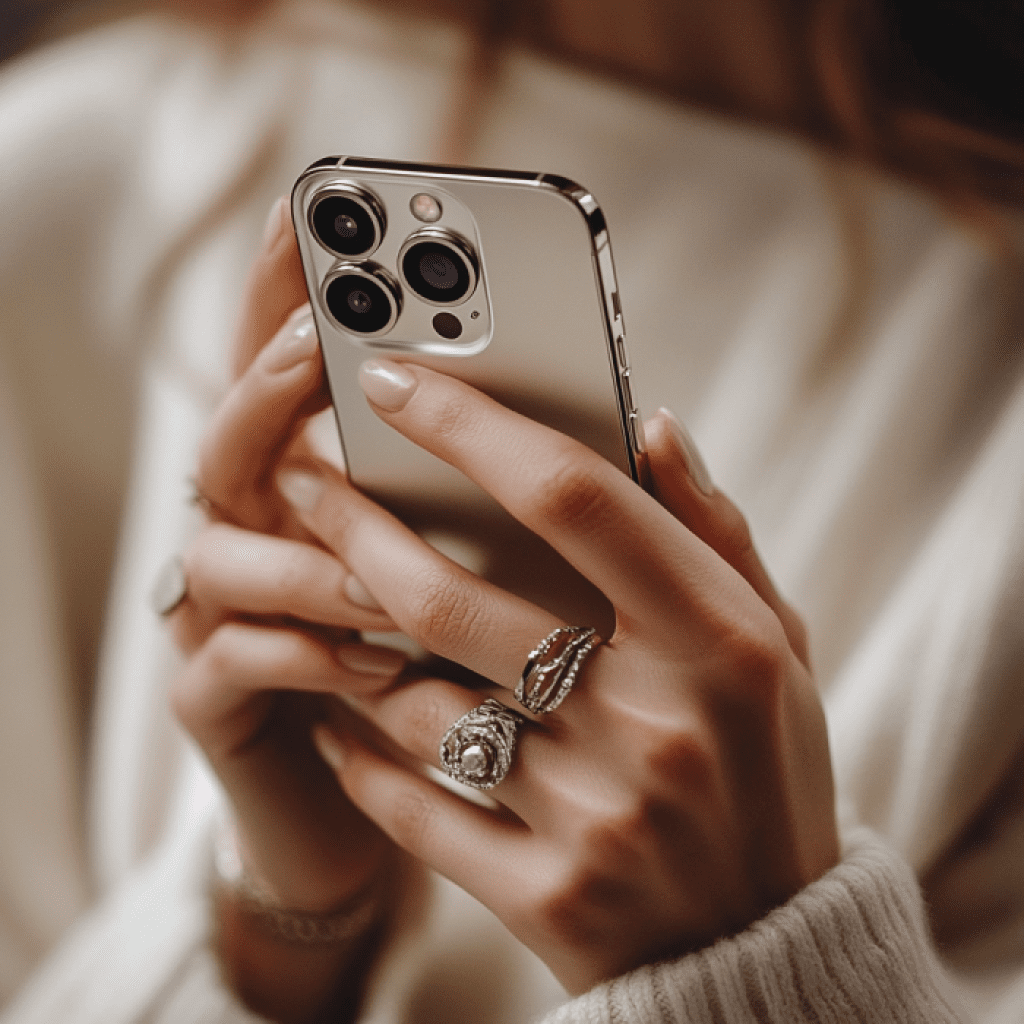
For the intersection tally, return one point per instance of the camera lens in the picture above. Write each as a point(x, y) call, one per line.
point(362, 299)
point(439, 267)
point(347, 220)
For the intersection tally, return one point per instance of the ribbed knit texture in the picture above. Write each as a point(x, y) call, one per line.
point(852, 947)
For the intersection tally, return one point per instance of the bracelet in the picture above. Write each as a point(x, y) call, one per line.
point(294, 927)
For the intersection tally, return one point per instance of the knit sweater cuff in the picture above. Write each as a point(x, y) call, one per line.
point(852, 946)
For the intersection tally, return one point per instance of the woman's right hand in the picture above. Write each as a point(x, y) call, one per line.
point(268, 627)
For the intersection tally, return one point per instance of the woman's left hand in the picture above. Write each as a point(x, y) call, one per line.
point(682, 789)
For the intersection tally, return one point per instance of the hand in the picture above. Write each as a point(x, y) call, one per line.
point(268, 628)
point(683, 788)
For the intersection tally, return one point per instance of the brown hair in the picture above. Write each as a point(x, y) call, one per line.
point(927, 92)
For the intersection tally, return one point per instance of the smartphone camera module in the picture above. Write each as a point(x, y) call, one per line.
point(439, 267)
point(362, 299)
point(347, 220)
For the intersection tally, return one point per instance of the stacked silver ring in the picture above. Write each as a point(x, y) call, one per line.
point(552, 667)
point(477, 749)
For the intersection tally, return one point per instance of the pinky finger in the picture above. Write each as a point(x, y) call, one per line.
point(466, 843)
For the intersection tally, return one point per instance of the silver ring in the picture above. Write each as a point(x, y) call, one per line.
point(552, 667)
point(477, 749)
point(171, 587)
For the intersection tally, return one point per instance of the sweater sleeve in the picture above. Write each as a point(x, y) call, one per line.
point(852, 947)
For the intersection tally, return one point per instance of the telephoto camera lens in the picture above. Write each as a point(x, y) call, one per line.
point(347, 221)
point(362, 301)
point(439, 267)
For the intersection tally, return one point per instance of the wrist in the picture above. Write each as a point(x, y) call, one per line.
point(288, 964)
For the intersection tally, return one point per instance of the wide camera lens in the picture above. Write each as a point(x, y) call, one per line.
point(347, 223)
point(361, 304)
point(439, 268)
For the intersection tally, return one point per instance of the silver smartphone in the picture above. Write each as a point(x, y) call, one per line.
point(504, 279)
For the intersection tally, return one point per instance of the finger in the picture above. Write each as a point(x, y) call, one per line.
point(417, 714)
point(275, 287)
point(615, 534)
point(439, 604)
point(478, 850)
point(238, 571)
point(682, 484)
point(256, 422)
point(228, 688)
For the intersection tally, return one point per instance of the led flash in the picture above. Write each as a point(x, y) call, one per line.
point(425, 208)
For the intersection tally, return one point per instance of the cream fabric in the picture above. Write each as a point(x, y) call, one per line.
point(848, 360)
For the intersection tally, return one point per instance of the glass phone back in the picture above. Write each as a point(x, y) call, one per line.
point(541, 332)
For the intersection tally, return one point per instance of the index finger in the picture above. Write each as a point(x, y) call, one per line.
point(274, 289)
point(634, 550)
point(256, 422)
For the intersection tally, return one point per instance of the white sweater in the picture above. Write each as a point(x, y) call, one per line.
point(849, 362)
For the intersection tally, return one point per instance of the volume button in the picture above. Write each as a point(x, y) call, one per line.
point(627, 391)
point(621, 354)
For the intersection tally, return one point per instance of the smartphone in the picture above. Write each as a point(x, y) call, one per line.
point(504, 279)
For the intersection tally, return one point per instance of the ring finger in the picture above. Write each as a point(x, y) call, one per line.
point(418, 715)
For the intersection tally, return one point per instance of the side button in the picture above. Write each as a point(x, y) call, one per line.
point(621, 353)
point(636, 432)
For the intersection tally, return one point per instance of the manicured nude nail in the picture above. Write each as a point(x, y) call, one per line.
point(330, 749)
point(387, 384)
point(357, 593)
point(275, 222)
point(296, 343)
point(369, 660)
point(301, 489)
point(695, 464)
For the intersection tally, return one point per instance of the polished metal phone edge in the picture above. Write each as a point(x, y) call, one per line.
point(311, 289)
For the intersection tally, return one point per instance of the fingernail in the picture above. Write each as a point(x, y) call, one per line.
point(695, 464)
point(300, 488)
point(387, 384)
point(371, 661)
point(330, 749)
point(296, 344)
point(275, 222)
point(357, 593)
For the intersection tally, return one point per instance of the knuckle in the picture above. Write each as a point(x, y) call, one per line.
point(220, 659)
point(687, 760)
point(446, 615)
point(758, 655)
point(574, 905)
point(448, 420)
point(426, 719)
point(290, 574)
point(571, 490)
point(413, 820)
point(734, 530)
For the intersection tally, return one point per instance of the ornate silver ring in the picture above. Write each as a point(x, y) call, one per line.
point(552, 667)
point(477, 749)
point(171, 587)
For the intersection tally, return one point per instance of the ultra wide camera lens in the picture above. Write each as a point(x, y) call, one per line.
point(347, 220)
point(439, 267)
point(362, 300)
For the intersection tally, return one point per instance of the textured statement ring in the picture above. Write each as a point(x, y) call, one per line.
point(477, 749)
point(552, 667)
point(171, 587)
